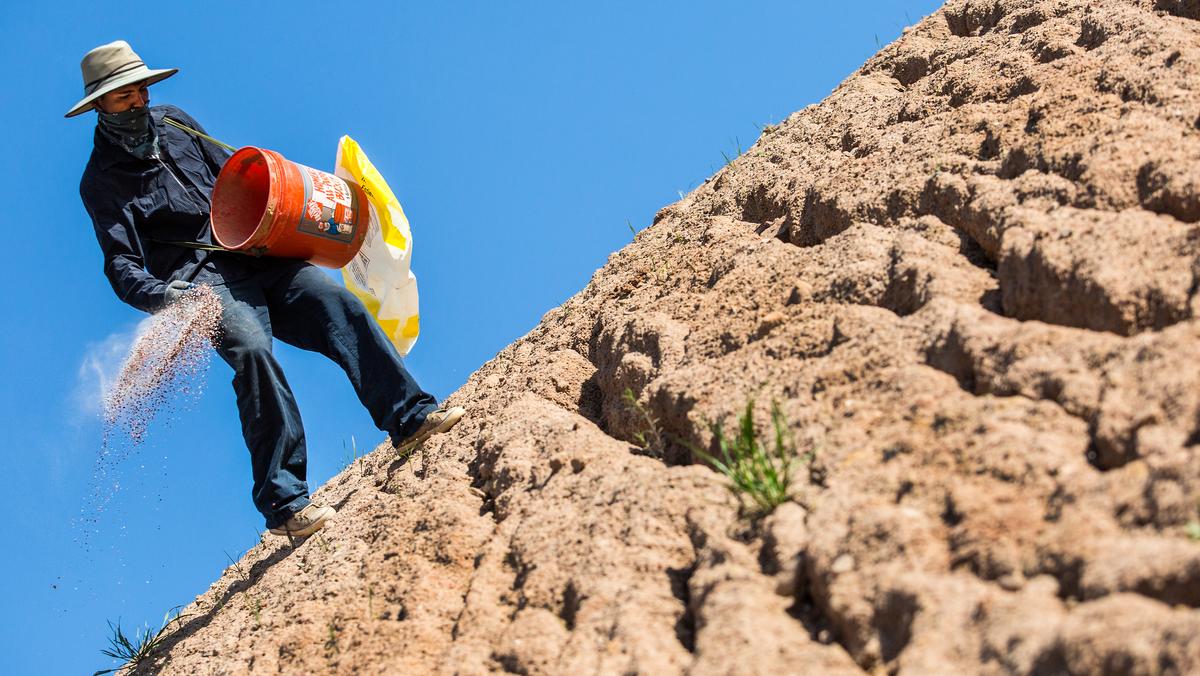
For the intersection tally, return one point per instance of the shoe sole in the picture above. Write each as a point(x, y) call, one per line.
point(314, 527)
point(453, 416)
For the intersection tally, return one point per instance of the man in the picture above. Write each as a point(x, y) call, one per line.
point(148, 189)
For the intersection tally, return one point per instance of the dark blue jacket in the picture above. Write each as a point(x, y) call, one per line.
point(138, 205)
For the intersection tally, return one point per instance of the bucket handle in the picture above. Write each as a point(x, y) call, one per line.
point(206, 137)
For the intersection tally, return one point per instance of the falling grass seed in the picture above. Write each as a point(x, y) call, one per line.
point(163, 363)
point(162, 372)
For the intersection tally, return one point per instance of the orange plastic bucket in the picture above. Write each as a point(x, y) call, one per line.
point(266, 205)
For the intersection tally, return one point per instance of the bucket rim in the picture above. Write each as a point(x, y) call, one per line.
point(262, 227)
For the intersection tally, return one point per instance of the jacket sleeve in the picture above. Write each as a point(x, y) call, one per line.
point(214, 154)
point(123, 257)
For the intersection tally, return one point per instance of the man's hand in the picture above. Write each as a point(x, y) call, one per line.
point(176, 289)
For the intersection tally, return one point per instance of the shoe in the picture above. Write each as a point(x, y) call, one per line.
point(305, 522)
point(437, 422)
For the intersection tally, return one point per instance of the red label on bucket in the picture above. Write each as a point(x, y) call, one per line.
point(329, 206)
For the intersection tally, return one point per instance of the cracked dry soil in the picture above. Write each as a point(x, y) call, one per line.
point(969, 277)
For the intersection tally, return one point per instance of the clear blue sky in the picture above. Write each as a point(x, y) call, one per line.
point(520, 138)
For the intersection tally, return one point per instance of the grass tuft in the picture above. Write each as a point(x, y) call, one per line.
point(738, 152)
point(756, 473)
point(349, 453)
point(135, 649)
point(650, 437)
point(236, 566)
point(765, 128)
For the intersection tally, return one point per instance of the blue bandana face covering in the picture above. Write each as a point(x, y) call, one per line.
point(132, 130)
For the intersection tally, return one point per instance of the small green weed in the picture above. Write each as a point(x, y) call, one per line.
point(256, 609)
point(407, 456)
point(649, 438)
point(331, 643)
point(738, 145)
point(237, 568)
point(136, 649)
point(765, 128)
point(662, 273)
point(253, 602)
point(632, 230)
point(1192, 531)
point(760, 474)
point(349, 453)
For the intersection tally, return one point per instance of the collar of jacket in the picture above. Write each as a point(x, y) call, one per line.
point(109, 153)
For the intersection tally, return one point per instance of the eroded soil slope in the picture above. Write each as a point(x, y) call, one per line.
point(969, 278)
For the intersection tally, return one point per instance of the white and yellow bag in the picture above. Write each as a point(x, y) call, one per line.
point(380, 273)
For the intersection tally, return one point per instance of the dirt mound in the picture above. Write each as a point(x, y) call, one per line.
point(969, 278)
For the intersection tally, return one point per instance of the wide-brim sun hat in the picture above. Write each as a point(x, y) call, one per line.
point(112, 66)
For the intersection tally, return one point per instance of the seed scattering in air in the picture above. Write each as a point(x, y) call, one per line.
point(162, 373)
point(164, 361)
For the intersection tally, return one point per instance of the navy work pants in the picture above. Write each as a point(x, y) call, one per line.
point(302, 306)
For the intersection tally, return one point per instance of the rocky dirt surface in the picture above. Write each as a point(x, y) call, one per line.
point(969, 279)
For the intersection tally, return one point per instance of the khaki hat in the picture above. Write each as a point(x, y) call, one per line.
point(110, 67)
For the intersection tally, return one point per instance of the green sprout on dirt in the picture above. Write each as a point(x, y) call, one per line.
point(136, 649)
point(1192, 531)
point(738, 145)
point(256, 610)
point(409, 454)
point(349, 453)
point(756, 472)
point(765, 128)
point(253, 601)
point(236, 566)
point(331, 643)
point(649, 437)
